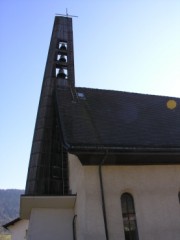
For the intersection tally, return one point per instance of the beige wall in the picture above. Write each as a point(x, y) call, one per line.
point(19, 230)
point(50, 223)
point(155, 191)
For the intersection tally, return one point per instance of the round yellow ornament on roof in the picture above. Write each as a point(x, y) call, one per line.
point(171, 104)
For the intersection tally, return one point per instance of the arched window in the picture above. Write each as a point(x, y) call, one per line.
point(129, 217)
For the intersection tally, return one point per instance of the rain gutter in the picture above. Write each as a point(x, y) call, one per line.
point(102, 196)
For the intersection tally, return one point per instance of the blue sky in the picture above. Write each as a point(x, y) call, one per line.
point(125, 45)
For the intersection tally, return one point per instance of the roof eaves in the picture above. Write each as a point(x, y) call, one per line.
point(118, 149)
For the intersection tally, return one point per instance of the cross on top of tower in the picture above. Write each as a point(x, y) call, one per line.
point(66, 15)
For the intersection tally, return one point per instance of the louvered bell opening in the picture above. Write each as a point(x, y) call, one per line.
point(61, 74)
point(62, 59)
point(63, 47)
point(61, 77)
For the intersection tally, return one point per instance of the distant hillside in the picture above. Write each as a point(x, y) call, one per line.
point(9, 205)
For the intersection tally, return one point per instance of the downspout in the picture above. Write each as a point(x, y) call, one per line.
point(74, 227)
point(102, 196)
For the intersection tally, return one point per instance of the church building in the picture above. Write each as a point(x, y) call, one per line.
point(104, 164)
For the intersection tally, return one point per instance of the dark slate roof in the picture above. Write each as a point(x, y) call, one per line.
point(123, 120)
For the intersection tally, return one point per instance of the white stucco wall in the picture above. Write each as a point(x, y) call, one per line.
point(155, 191)
point(19, 229)
point(50, 223)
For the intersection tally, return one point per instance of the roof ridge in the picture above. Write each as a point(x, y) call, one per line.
point(126, 92)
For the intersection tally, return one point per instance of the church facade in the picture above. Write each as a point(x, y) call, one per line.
point(104, 164)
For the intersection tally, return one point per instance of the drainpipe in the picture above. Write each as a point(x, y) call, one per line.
point(102, 196)
point(74, 227)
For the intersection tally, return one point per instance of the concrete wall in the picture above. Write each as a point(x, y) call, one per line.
point(155, 191)
point(50, 223)
point(19, 230)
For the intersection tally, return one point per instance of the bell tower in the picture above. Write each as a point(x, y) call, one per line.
point(48, 171)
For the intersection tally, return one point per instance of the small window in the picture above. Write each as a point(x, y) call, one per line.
point(129, 217)
point(81, 95)
point(179, 196)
